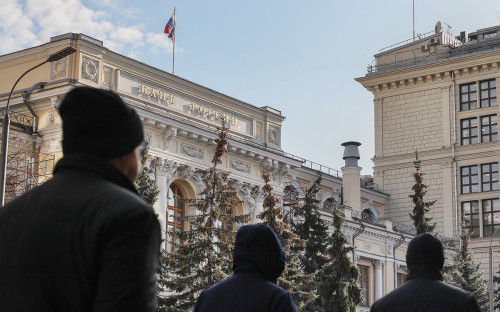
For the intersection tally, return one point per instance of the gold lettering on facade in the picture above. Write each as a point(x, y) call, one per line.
point(211, 113)
point(157, 94)
point(142, 89)
point(162, 96)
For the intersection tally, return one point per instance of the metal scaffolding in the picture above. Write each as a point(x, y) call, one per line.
point(26, 169)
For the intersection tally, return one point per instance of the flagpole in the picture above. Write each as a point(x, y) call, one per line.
point(173, 54)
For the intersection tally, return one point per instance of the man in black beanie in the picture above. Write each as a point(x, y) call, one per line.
point(85, 240)
point(424, 289)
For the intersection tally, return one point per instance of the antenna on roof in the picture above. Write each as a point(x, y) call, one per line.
point(413, 20)
point(437, 28)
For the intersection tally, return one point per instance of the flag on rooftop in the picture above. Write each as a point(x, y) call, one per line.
point(170, 27)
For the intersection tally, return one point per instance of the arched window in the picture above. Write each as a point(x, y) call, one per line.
point(329, 204)
point(367, 215)
point(175, 212)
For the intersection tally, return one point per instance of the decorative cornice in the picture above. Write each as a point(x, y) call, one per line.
point(420, 75)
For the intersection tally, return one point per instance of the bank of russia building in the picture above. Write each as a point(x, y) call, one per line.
point(181, 120)
point(438, 95)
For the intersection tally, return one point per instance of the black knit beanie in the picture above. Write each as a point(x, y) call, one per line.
point(425, 250)
point(98, 122)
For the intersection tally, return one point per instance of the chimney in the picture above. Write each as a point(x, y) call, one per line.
point(351, 176)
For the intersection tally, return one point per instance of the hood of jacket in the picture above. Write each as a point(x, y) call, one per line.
point(257, 249)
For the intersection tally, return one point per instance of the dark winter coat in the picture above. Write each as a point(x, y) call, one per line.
point(424, 291)
point(83, 241)
point(258, 261)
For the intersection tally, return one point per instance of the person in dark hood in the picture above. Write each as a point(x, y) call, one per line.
point(424, 289)
point(84, 240)
point(258, 261)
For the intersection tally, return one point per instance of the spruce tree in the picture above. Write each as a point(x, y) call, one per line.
point(420, 207)
point(338, 289)
point(203, 256)
point(293, 279)
point(496, 293)
point(313, 230)
point(148, 189)
point(465, 274)
point(146, 186)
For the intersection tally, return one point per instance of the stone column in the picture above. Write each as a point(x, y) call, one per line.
point(165, 170)
point(378, 279)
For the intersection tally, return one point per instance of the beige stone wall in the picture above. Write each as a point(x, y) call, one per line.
point(412, 121)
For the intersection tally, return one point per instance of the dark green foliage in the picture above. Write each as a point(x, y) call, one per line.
point(465, 274)
point(293, 279)
point(420, 207)
point(312, 229)
point(145, 184)
point(204, 256)
point(339, 290)
point(496, 294)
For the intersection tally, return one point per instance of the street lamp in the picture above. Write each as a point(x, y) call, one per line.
point(6, 120)
point(491, 271)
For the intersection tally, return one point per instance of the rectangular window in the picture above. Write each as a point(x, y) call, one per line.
point(470, 213)
point(400, 279)
point(364, 283)
point(468, 96)
point(489, 128)
point(470, 179)
point(491, 217)
point(489, 177)
point(488, 93)
point(468, 130)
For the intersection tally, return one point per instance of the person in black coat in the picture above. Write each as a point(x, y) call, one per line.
point(84, 240)
point(424, 289)
point(258, 261)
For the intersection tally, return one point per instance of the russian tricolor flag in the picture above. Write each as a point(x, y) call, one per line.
point(170, 28)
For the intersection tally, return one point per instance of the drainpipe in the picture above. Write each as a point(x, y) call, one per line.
point(454, 160)
point(26, 96)
point(394, 257)
point(361, 230)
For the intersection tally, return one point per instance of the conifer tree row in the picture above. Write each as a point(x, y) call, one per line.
point(310, 228)
point(203, 251)
point(338, 288)
point(465, 273)
point(293, 279)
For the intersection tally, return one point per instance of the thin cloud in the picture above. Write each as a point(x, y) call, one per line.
point(27, 23)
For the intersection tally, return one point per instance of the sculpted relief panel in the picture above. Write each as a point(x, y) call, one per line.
point(90, 69)
point(192, 151)
point(240, 166)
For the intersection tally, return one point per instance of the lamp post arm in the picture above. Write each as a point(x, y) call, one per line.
point(5, 138)
point(14, 86)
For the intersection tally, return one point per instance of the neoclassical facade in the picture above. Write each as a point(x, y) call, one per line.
point(181, 121)
point(437, 95)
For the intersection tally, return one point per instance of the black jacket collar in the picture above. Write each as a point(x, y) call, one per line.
point(94, 164)
point(424, 271)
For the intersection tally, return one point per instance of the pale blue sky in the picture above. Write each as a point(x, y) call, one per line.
point(300, 57)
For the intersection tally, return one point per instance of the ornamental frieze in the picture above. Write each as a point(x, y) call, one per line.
point(240, 166)
point(192, 151)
